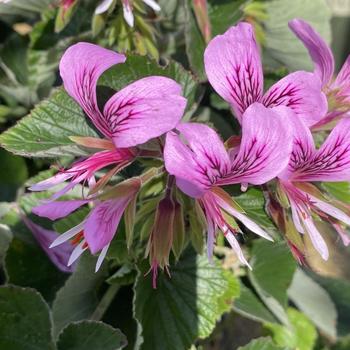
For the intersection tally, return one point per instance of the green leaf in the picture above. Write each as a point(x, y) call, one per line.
point(261, 344)
point(282, 47)
point(249, 305)
point(272, 271)
point(25, 322)
point(339, 190)
point(91, 335)
point(184, 307)
point(26, 264)
point(71, 220)
point(78, 298)
point(339, 291)
point(124, 276)
point(253, 203)
point(46, 130)
point(314, 302)
point(300, 335)
point(15, 175)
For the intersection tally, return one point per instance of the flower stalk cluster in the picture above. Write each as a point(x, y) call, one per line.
point(275, 149)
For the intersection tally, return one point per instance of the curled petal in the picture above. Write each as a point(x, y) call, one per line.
point(265, 148)
point(319, 51)
point(197, 157)
point(103, 6)
point(102, 223)
point(301, 91)
point(316, 238)
point(233, 66)
point(80, 67)
point(143, 110)
point(57, 210)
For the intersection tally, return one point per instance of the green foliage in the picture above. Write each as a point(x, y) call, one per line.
point(261, 344)
point(186, 305)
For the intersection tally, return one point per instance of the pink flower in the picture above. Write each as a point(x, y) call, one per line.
point(196, 156)
point(331, 162)
point(338, 89)
point(127, 8)
point(143, 110)
point(97, 230)
point(60, 255)
point(234, 69)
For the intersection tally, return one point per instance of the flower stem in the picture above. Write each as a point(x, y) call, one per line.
point(105, 302)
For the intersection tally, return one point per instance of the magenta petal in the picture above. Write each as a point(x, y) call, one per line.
point(57, 210)
point(58, 255)
point(342, 82)
point(318, 49)
point(102, 223)
point(197, 157)
point(51, 182)
point(265, 147)
point(80, 67)
point(233, 66)
point(301, 91)
point(145, 109)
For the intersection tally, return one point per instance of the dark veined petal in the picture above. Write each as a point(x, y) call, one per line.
point(319, 51)
point(143, 110)
point(330, 163)
point(265, 147)
point(233, 66)
point(301, 91)
point(80, 67)
point(196, 157)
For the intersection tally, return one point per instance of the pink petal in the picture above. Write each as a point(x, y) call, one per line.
point(51, 182)
point(319, 51)
point(265, 147)
point(143, 110)
point(59, 255)
point(316, 238)
point(301, 91)
point(57, 210)
point(233, 66)
point(342, 81)
point(303, 149)
point(127, 13)
point(101, 224)
point(80, 67)
point(197, 158)
point(236, 247)
point(332, 161)
point(342, 233)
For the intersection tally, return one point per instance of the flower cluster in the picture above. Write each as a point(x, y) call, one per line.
point(143, 120)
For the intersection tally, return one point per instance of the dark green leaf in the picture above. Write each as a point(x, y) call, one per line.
point(46, 131)
point(78, 298)
point(249, 305)
point(91, 335)
point(184, 307)
point(272, 271)
point(25, 322)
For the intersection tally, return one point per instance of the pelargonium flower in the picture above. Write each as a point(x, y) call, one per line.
point(60, 255)
point(338, 88)
point(127, 8)
point(97, 230)
point(196, 156)
point(144, 109)
point(233, 67)
point(331, 162)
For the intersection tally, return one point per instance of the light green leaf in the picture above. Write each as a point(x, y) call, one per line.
point(339, 190)
point(77, 299)
point(282, 48)
point(184, 307)
point(91, 335)
point(261, 344)
point(300, 335)
point(249, 305)
point(272, 271)
point(46, 130)
point(25, 322)
point(314, 302)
